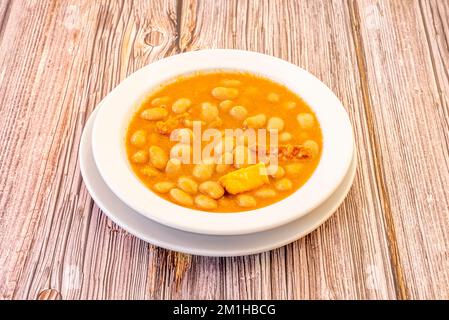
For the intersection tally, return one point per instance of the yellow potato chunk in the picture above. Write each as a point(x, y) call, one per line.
point(245, 179)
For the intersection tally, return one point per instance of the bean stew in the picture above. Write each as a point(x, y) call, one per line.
point(213, 116)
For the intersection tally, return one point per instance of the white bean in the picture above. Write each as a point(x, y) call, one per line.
point(173, 166)
point(265, 193)
point(225, 105)
point(181, 197)
point(283, 185)
point(275, 123)
point(156, 102)
point(224, 93)
point(305, 120)
point(150, 172)
point(208, 111)
point(139, 138)
point(206, 203)
point(188, 185)
point(140, 157)
point(276, 172)
point(212, 189)
point(157, 113)
point(203, 171)
point(255, 122)
point(238, 112)
point(246, 201)
point(293, 169)
point(163, 187)
point(158, 157)
point(313, 147)
point(285, 136)
point(181, 105)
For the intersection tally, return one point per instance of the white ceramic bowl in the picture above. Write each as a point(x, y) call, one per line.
point(108, 142)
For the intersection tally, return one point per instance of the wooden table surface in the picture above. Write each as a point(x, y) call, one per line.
point(388, 62)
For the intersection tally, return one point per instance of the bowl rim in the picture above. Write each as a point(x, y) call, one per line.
point(120, 104)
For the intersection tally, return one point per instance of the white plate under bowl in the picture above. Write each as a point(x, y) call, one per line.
point(109, 131)
point(194, 243)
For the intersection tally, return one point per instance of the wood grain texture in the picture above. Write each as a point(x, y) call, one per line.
point(53, 236)
point(386, 60)
point(408, 116)
point(354, 239)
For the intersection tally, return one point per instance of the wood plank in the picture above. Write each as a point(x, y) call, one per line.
point(348, 257)
point(5, 9)
point(435, 15)
point(58, 60)
point(408, 109)
point(389, 239)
